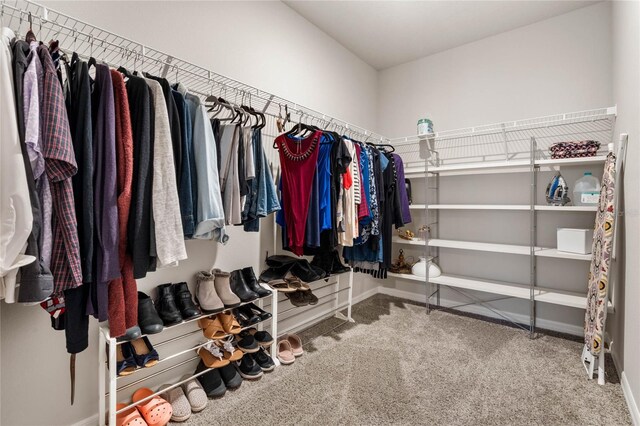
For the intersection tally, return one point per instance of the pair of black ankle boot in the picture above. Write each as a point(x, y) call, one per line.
point(175, 304)
point(245, 285)
point(329, 262)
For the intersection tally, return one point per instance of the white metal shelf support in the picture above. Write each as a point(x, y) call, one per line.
point(532, 238)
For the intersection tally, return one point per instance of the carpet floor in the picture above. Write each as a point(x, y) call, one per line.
point(397, 365)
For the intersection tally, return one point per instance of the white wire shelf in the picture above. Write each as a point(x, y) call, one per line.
point(519, 291)
point(516, 207)
point(497, 248)
point(517, 165)
point(116, 50)
point(504, 146)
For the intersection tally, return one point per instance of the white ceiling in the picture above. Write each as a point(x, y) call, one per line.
point(388, 33)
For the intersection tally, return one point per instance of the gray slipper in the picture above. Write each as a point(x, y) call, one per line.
point(195, 394)
point(179, 403)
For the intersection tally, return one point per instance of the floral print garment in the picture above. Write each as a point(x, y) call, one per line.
point(594, 319)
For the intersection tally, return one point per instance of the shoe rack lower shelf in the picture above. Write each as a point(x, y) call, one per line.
point(519, 291)
point(107, 346)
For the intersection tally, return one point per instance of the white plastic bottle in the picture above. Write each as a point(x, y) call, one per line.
point(586, 190)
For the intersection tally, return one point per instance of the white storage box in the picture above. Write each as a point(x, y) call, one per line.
point(575, 240)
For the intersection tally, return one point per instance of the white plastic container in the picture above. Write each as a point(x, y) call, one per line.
point(420, 268)
point(586, 191)
point(574, 240)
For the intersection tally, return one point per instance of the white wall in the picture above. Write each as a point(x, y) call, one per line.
point(558, 65)
point(265, 44)
point(626, 93)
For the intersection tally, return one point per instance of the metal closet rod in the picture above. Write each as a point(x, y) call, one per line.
point(140, 52)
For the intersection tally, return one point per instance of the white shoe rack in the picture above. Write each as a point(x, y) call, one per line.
point(109, 383)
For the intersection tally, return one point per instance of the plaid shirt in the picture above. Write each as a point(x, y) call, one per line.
point(60, 166)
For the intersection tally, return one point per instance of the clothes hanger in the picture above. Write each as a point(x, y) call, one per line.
point(30, 37)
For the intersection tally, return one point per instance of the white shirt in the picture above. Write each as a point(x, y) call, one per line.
point(16, 218)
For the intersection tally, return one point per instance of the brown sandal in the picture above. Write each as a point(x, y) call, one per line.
point(297, 284)
point(229, 323)
point(212, 328)
point(231, 351)
point(281, 285)
point(212, 356)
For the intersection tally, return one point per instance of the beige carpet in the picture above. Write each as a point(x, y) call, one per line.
point(397, 365)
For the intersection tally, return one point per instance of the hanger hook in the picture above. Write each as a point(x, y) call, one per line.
point(20, 24)
point(30, 22)
point(176, 67)
point(91, 44)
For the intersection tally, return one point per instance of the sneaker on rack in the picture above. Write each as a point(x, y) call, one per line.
point(248, 368)
point(263, 359)
point(230, 376)
point(211, 381)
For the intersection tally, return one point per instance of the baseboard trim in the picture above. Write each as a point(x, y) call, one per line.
point(89, 421)
point(480, 310)
point(631, 401)
point(365, 295)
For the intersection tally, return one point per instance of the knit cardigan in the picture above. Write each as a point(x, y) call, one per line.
point(123, 292)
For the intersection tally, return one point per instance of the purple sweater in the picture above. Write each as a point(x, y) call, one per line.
point(107, 265)
point(404, 199)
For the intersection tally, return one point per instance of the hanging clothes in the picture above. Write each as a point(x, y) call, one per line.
point(15, 211)
point(33, 86)
point(298, 158)
point(123, 291)
point(191, 104)
point(402, 189)
point(210, 219)
point(598, 288)
point(106, 262)
point(173, 117)
point(60, 167)
point(230, 183)
point(262, 199)
point(346, 196)
point(78, 102)
point(169, 240)
point(184, 182)
point(36, 280)
point(140, 222)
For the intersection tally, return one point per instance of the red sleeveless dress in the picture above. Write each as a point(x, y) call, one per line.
point(298, 159)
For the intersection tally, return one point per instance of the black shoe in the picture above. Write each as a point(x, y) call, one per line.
point(248, 368)
point(245, 316)
point(324, 261)
point(148, 318)
point(166, 306)
point(184, 301)
point(262, 337)
point(263, 360)
point(211, 381)
point(230, 376)
point(247, 343)
point(250, 278)
point(298, 298)
point(337, 266)
point(240, 288)
point(264, 315)
point(132, 333)
point(310, 298)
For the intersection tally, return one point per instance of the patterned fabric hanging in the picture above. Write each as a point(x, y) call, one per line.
point(594, 320)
